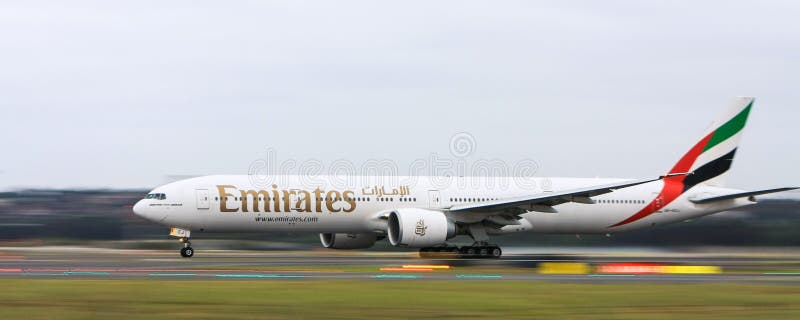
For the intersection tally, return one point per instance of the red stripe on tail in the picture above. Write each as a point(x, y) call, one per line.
point(673, 186)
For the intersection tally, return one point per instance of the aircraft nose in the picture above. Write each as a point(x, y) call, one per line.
point(138, 208)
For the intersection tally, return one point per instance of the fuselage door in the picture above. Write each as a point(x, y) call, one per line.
point(434, 200)
point(202, 199)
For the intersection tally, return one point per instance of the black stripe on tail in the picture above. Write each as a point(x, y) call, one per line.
point(709, 171)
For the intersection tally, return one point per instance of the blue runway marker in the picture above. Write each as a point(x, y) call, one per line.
point(782, 273)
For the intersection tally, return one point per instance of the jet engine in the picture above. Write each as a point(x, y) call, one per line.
point(347, 240)
point(419, 228)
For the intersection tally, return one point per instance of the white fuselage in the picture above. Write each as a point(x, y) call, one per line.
point(237, 203)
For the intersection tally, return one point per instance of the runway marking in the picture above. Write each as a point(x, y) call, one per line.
point(93, 270)
point(407, 269)
point(257, 276)
point(425, 266)
point(782, 273)
point(51, 270)
point(43, 274)
point(172, 274)
point(479, 276)
point(395, 276)
point(86, 273)
point(11, 270)
point(230, 270)
point(557, 268)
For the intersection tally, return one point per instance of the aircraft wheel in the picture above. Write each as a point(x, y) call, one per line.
point(187, 252)
point(470, 252)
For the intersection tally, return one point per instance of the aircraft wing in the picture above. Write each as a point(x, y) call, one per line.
point(738, 195)
point(545, 200)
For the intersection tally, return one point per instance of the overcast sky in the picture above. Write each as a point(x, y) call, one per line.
point(125, 93)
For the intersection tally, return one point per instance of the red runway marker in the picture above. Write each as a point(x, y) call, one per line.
point(630, 268)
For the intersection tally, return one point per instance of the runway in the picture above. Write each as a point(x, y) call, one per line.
point(311, 265)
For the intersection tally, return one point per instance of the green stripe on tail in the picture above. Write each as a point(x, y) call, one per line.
point(730, 128)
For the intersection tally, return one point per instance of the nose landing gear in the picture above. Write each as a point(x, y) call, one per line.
point(183, 235)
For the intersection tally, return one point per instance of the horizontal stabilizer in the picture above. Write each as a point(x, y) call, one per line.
point(738, 195)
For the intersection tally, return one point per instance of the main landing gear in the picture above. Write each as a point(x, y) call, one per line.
point(187, 251)
point(478, 250)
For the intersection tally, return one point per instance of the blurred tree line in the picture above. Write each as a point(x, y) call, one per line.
point(107, 215)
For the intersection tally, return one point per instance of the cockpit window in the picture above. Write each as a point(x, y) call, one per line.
point(157, 196)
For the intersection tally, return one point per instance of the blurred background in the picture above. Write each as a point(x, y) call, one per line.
point(103, 218)
point(102, 100)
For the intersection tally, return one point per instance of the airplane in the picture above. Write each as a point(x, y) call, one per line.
point(426, 214)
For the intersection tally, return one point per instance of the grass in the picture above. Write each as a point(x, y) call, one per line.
point(389, 299)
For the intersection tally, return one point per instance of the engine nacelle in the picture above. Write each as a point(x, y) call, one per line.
point(347, 240)
point(419, 228)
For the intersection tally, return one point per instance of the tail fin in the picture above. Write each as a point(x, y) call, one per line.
point(707, 162)
point(710, 159)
